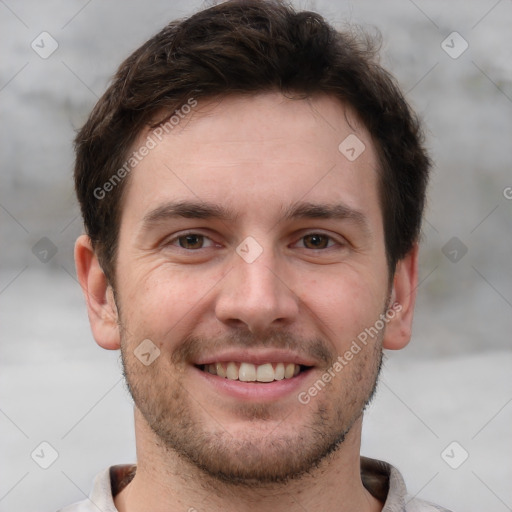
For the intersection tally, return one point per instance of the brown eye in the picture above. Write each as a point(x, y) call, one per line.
point(191, 241)
point(316, 241)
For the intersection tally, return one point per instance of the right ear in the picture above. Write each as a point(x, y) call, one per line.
point(99, 295)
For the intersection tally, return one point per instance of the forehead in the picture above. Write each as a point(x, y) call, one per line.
point(257, 155)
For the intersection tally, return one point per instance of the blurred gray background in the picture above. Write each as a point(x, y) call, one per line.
point(452, 383)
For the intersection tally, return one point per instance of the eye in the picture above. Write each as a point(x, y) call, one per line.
point(317, 241)
point(191, 241)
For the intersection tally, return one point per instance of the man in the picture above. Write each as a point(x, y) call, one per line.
point(252, 186)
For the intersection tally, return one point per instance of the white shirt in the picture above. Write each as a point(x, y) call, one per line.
point(380, 478)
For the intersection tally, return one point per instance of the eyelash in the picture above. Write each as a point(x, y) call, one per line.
point(174, 240)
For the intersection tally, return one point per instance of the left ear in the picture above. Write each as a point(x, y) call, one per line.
point(403, 298)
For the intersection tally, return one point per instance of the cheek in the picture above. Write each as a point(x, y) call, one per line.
point(343, 304)
point(163, 303)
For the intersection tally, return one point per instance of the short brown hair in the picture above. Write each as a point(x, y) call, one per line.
point(248, 47)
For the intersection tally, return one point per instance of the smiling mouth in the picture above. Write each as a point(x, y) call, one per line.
point(248, 372)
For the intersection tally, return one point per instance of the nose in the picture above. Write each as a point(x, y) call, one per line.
point(257, 295)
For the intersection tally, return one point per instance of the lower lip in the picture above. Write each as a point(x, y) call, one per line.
point(255, 391)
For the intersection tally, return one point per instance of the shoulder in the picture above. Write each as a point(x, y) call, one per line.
point(106, 485)
point(386, 483)
point(100, 497)
point(82, 506)
point(398, 492)
point(417, 505)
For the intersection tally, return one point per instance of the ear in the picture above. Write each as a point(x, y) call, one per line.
point(403, 298)
point(99, 295)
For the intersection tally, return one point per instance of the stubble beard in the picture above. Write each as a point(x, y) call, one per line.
point(275, 453)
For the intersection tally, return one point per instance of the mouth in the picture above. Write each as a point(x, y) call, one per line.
point(249, 372)
point(255, 376)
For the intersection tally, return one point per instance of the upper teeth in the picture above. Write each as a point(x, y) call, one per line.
point(248, 372)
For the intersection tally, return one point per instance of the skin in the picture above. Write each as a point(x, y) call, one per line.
point(311, 296)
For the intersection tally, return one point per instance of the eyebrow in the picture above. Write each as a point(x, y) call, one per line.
point(337, 211)
point(188, 210)
point(206, 210)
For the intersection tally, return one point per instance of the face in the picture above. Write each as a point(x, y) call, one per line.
point(251, 256)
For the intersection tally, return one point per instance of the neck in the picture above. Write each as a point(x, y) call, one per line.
point(165, 482)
